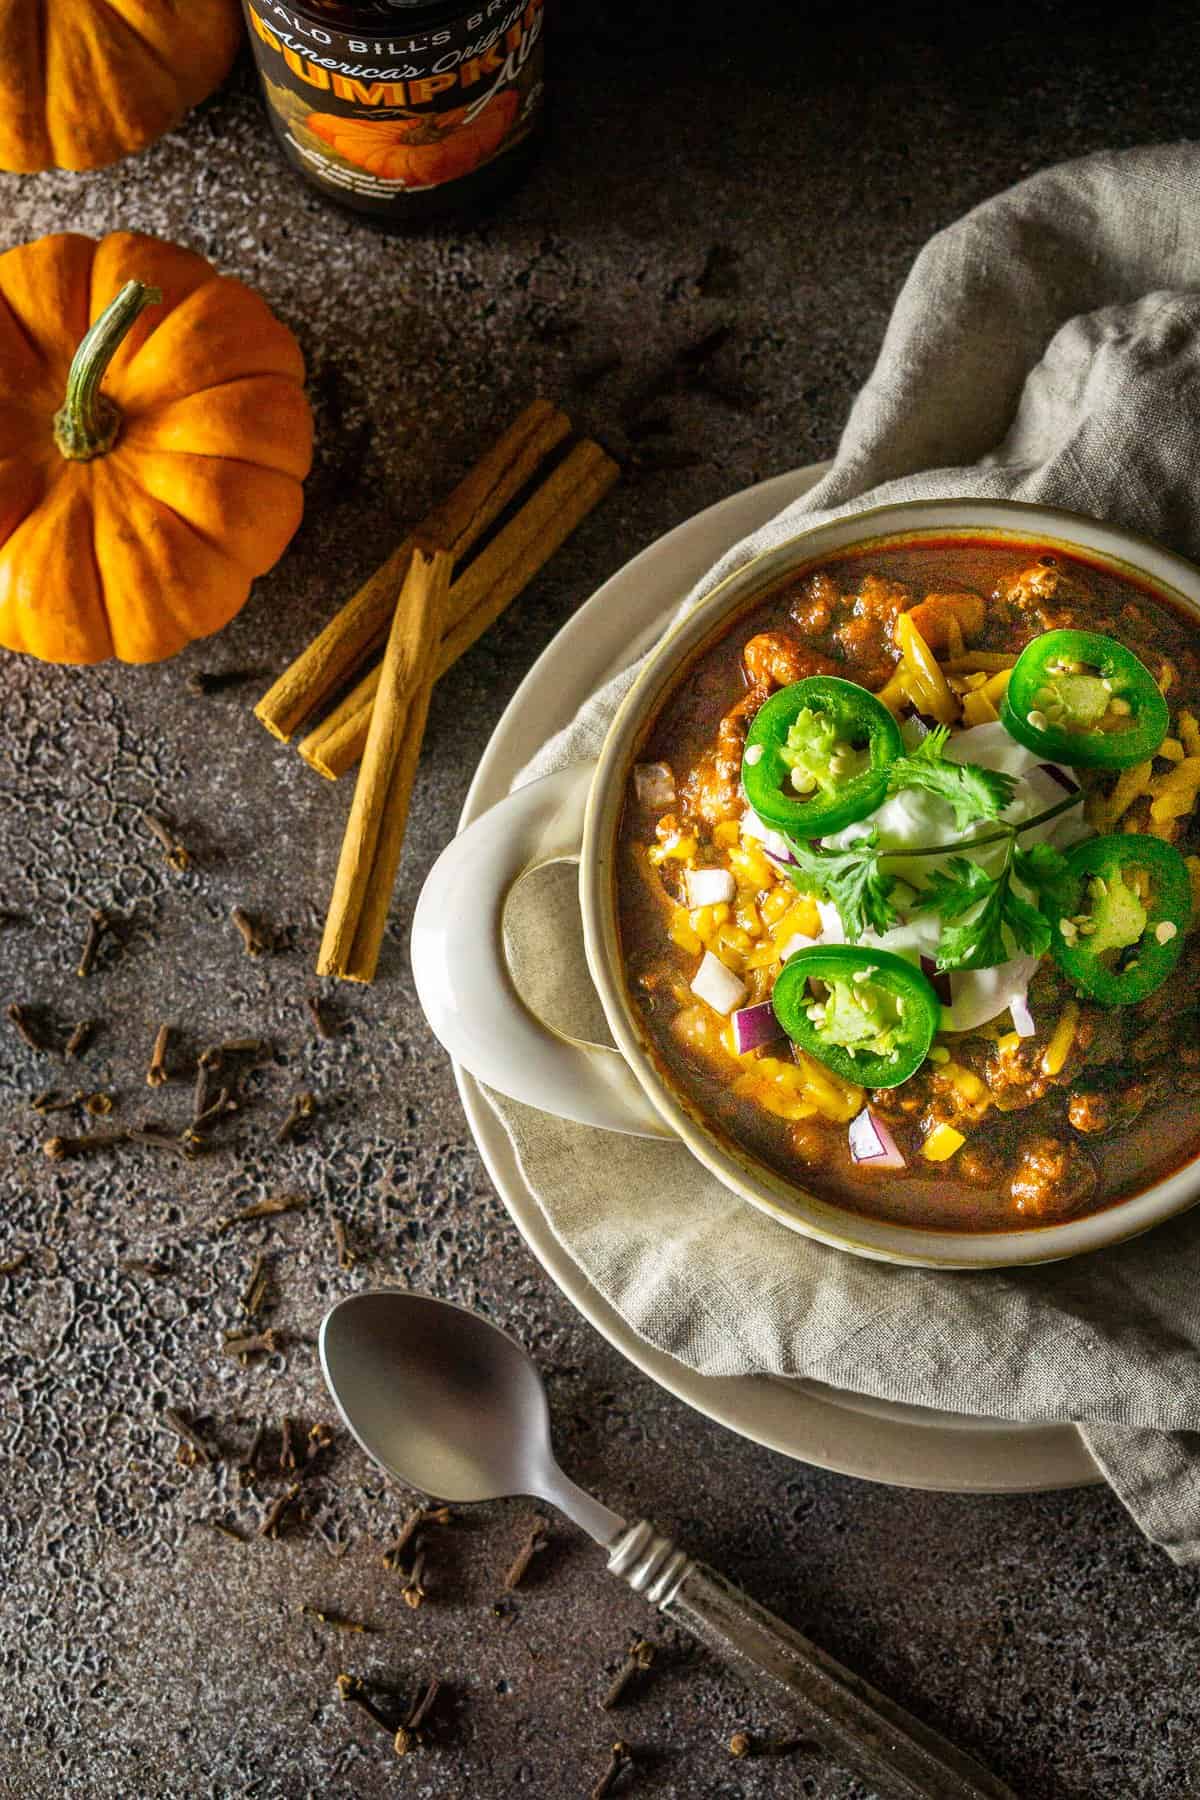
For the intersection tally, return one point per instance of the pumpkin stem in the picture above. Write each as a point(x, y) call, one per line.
point(88, 421)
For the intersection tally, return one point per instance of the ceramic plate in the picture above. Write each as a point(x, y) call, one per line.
point(908, 1446)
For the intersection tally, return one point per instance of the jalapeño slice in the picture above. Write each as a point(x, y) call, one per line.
point(1122, 931)
point(871, 1018)
point(817, 756)
point(1081, 698)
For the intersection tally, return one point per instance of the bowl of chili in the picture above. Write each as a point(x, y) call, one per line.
point(887, 871)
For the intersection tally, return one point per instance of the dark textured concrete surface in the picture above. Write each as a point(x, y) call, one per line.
point(143, 1654)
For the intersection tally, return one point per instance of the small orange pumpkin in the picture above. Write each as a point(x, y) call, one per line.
point(421, 152)
point(83, 82)
point(154, 434)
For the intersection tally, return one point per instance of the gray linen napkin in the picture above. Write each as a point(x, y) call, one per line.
point(1044, 348)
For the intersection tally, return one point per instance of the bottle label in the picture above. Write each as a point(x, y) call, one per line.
point(380, 114)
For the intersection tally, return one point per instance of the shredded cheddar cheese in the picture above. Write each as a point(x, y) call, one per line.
point(1059, 1048)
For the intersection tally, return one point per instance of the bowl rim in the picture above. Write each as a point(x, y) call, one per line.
point(1127, 552)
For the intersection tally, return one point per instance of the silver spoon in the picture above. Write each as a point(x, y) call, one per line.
point(451, 1405)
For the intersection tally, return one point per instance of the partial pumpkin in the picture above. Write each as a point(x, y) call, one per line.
point(425, 151)
point(154, 435)
point(83, 82)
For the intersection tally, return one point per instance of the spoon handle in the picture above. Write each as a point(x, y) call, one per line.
point(867, 1733)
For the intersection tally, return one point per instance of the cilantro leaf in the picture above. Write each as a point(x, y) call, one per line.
point(1028, 928)
point(953, 890)
point(974, 792)
point(987, 921)
point(852, 879)
point(1045, 871)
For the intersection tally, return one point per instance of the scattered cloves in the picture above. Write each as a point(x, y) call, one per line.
point(277, 1511)
point(14, 1263)
point(536, 1539)
point(156, 1137)
point(320, 1436)
point(225, 1530)
point(422, 1515)
point(98, 924)
point(187, 1434)
point(303, 1107)
point(412, 1585)
point(251, 1343)
point(321, 1024)
point(217, 1109)
point(255, 1290)
point(255, 940)
point(27, 1029)
point(59, 1148)
point(248, 1467)
point(354, 1693)
point(345, 1255)
point(145, 1265)
point(743, 1744)
point(157, 1075)
point(339, 1621)
point(79, 1039)
point(176, 853)
point(620, 1759)
point(262, 1209)
point(287, 1449)
point(409, 1735)
point(53, 1100)
point(640, 1657)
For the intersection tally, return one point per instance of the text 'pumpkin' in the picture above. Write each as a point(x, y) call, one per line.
point(146, 480)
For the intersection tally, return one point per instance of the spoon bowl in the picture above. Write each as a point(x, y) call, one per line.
point(448, 1403)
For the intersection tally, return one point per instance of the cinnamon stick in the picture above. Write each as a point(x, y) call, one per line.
point(371, 848)
point(480, 594)
point(362, 624)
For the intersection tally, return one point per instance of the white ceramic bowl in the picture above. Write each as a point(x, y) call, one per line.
point(471, 1002)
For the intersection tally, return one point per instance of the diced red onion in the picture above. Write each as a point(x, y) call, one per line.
point(654, 784)
point(772, 842)
point(754, 1026)
point(938, 979)
point(1022, 1018)
point(872, 1142)
point(709, 887)
point(1060, 775)
point(717, 985)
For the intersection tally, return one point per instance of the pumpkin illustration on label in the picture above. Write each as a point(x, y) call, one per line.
point(423, 151)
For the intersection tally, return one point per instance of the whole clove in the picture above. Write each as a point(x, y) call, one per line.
point(255, 1290)
point(620, 1759)
point(740, 1744)
point(409, 1735)
point(255, 940)
point(345, 1256)
point(97, 1106)
point(157, 1075)
point(187, 1434)
point(262, 1209)
point(176, 853)
point(303, 1107)
point(743, 1744)
point(156, 1137)
point(320, 1436)
point(339, 1621)
point(52, 1100)
point(321, 1024)
point(59, 1148)
point(412, 1584)
point(277, 1512)
point(98, 924)
point(287, 1450)
point(251, 1343)
point(27, 1029)
point(14, 1263)
point(225, 1530)
point(422, 1515)
point(207, 1065)
point(217, 1109)
point(248, 1467)
point(215, 681)
point(247, 1046)
point(536, 1539)
point(640, 1657)
point(79, 1039)
point(354, 1693)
